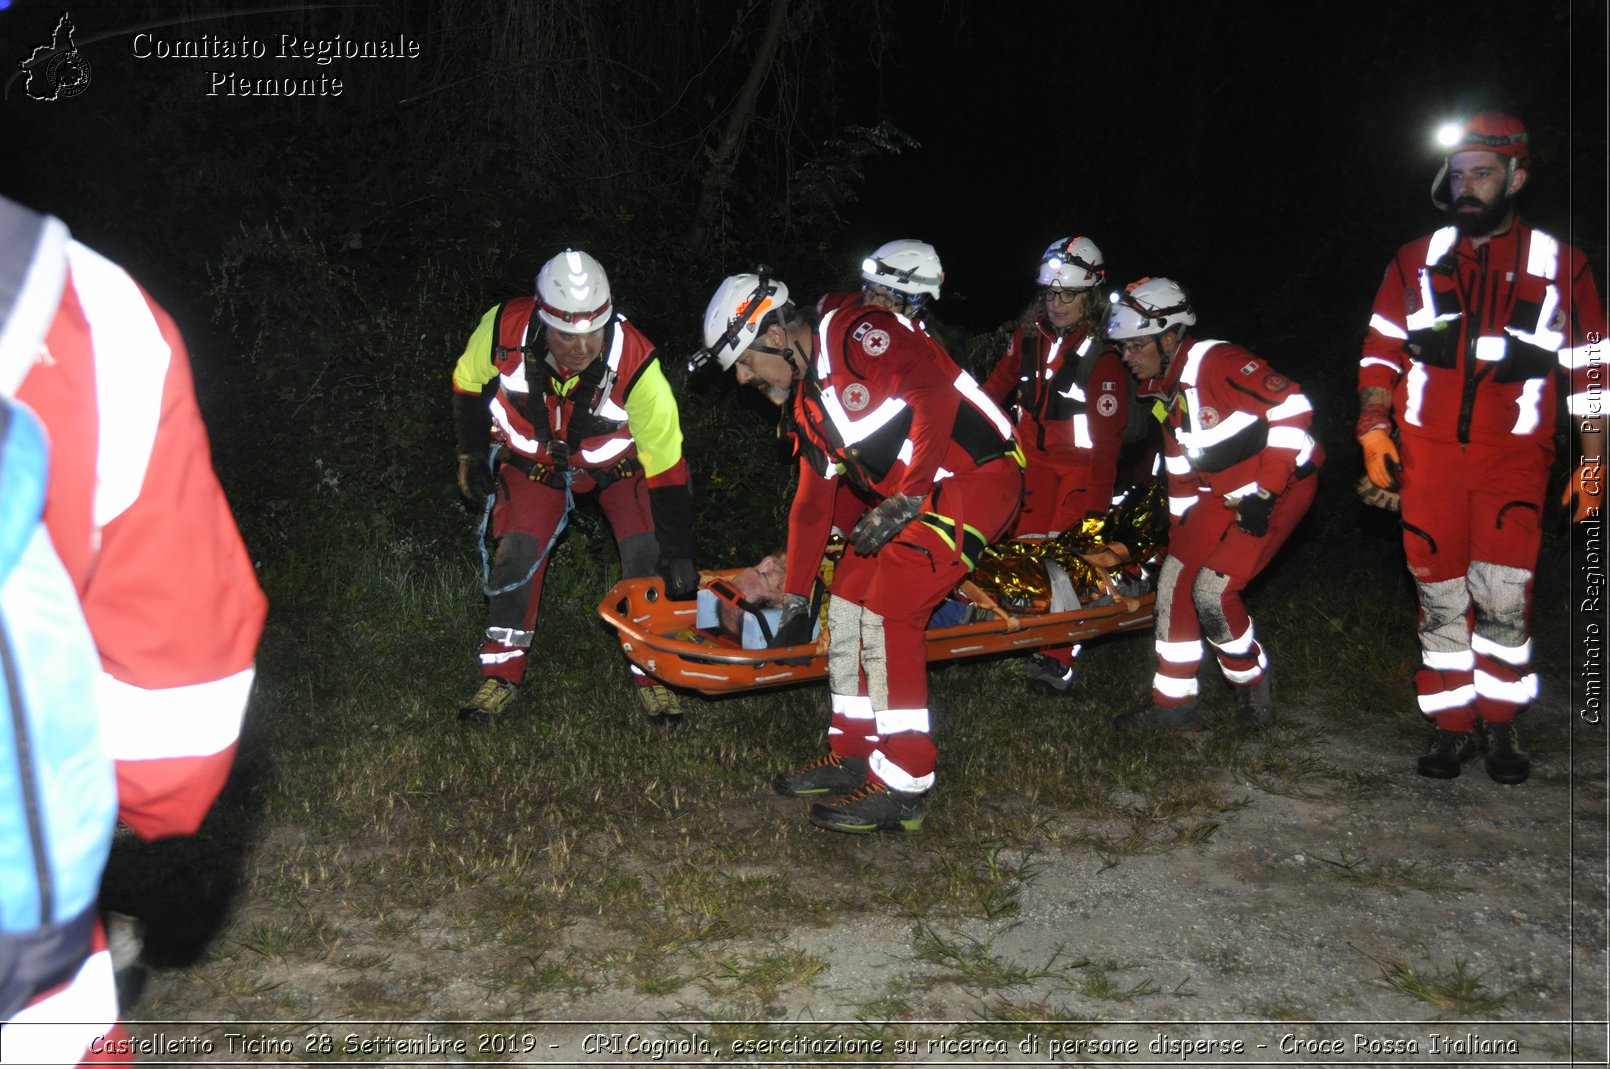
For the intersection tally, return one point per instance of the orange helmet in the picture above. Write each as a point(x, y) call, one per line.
point(1485, 131)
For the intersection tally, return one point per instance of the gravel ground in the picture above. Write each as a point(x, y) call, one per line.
point(1293, 932)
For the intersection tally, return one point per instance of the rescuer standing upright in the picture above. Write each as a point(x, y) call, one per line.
point(1470, 332)
point(558, 395)
point(1241, 473)
point(877, 406)
point(1070, 394)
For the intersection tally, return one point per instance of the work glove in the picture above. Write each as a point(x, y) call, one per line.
point(1377, 497)
point(885, 520)
point(794, 628)
point(681, 578)
point(1381, 460)
point(1585, 490)
point(1252, 513)
point(475, 481)
point(1374, 432)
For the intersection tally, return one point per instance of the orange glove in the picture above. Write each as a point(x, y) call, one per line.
point(1381, 460)
point(1586, 485)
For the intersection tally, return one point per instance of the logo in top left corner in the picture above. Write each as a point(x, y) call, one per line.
point(58, 70)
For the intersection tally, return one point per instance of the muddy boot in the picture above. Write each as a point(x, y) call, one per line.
point(1506, 760)
point(828, 776)
point(1253, 706)
point(1448, 750)
point(874, 807)
point(493, 697)
point(1163, 718)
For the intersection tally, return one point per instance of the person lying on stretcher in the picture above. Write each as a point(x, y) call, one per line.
point(1106, 559)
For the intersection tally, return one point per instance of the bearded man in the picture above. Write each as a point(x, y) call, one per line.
point(1474, 328)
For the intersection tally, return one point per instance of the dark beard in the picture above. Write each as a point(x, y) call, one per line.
point(1480, 223)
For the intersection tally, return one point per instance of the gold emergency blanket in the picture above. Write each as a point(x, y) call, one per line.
point(1132, 532)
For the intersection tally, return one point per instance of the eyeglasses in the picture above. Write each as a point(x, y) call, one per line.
point(895, 297)
point(1135, 346)
point(1059, 295)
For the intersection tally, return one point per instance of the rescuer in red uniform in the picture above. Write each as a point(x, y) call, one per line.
point(574, 400)
point(877, 406)
point(1470, 333)
point(1240, 466)
point(1070, 395)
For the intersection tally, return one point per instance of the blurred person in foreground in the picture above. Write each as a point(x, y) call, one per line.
point(132, 709)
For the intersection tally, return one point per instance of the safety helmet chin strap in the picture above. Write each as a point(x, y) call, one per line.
point(1178, 331)
point(787, 354)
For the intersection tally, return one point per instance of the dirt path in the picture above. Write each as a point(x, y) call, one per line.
point(1465, 919)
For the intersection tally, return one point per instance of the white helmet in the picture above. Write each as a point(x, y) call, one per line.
point(910, 268)
point(1149, 306)
point(1072, 264)
point(733, 316)
point(573, 293)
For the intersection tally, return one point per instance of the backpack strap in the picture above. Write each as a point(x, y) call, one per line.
point(1028, 370)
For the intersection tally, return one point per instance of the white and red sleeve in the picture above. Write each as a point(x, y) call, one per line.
point(140, 520)
point(1384, 361)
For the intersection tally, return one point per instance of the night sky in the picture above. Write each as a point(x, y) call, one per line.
point(1229, 144)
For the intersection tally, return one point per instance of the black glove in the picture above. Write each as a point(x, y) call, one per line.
point(681, 578)
point(795, 625)
point(475, 481)
point(1252, 513)
point(886, 519)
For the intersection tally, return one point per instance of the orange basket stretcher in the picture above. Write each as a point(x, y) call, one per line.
point(659, 636)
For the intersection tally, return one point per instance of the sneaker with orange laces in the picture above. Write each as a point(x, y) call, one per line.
point(828, 775)
point(874, 807)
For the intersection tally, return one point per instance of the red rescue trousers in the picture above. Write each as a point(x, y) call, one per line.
point(1210, 561)
point(877, 653)
point(1471, 533)
point(524, 520)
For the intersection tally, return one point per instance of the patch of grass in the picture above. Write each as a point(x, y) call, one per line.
point(1453, 989)
point(972, 963)
point(1099, 983)
point(972, 880)
point(303, 935)
point(552, 970)
point(762, 975)
point(1390, 873)
point(1298, 771)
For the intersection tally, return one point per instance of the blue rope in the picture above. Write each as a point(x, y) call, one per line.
point(486, 518)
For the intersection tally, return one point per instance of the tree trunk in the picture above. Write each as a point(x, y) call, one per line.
point(725, 157)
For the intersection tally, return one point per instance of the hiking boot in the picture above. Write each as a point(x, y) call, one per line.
point(660, 704)
point(1253, 706)
point(493, 697)
point(874, 807)
point(1162, 717)
point(1506, 759)
point(830, 775)
point(1047, 676)
point(1448, 750)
